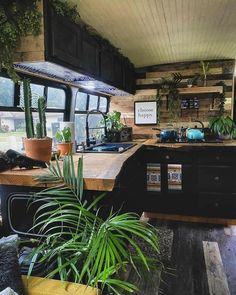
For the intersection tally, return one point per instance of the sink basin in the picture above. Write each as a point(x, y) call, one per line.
point(115, 147)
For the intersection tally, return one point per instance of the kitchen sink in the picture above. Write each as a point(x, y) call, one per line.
point(115, 147)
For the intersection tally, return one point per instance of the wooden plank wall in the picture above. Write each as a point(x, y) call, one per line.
point(148, 80)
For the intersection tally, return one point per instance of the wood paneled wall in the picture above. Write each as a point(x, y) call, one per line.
point(148, 80)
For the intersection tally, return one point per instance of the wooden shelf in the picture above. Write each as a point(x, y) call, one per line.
point(210, 89)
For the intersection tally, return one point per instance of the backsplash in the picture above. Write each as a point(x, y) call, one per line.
point(148, 80)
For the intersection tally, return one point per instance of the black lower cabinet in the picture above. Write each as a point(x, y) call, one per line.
point(191, 181)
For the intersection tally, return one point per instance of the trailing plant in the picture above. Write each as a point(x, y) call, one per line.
point(17, 19)
point(41, 130)
point(63, 135)
point(171, 86)
point(64, 8)
point(85, 247)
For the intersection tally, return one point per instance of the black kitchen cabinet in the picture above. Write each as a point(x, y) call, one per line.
point(191, 181)
point(74, 47)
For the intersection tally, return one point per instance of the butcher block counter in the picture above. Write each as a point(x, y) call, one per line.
point(154, 142)
point(100, 170)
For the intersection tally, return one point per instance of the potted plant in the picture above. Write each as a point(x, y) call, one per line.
point(204, 72)
point(192, 81)
point(83, 246)
point(64, 144)
point(37, 145)
point(114, 126)
point(222, 126)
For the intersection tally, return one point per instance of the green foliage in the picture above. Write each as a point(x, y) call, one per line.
point(113, 121)
point(222, 125)
point(169, 88)
point(64, 135)
point(85, 247)
point(193, 80)
point(17, 18)
point(66, 9)
point(41, 131)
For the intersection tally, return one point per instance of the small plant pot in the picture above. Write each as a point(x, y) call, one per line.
point(189, 85)
point(38, 148)
point(64, 148)
point(224, 136)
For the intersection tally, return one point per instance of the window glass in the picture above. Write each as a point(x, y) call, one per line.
point(6, 92)
point(36, 90)
point(12, 129)
point(93, 102)
point(56, 98)
point(103, 104)
point(81, 101)
point(80, 130)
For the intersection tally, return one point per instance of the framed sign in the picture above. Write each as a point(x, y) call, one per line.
point(145, 112)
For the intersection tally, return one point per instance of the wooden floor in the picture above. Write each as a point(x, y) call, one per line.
point(203, 260)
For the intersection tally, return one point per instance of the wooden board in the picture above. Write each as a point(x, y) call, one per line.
point(198, 219)
point(100, 171)
point(217, 280)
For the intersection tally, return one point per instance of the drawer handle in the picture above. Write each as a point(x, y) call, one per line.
point(216, 204)
point(217, 178)
point(167, 157)
point(217, 158)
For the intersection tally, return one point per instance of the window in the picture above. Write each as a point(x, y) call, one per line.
point(7, 88)
point(84, 103)
point(12, 120)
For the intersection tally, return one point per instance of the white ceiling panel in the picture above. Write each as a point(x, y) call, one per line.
point(163, 31)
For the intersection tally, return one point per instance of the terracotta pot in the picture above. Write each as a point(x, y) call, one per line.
point(64, 148)
point(38, 148)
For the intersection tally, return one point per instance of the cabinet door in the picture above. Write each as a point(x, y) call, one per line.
point(106, 66)
point(65, 41)
point(118, 71)
point(217, 205)
point(90, 54)
point(215, 178)
point(129, 77)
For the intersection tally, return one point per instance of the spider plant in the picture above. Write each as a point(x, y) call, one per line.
point(85, 247)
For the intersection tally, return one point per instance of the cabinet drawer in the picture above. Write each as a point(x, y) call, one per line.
point(167, 156)
point(215, 157)
point(217, 205)
point(215, 178)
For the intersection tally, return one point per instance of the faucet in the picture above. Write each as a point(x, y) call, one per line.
point(93, 141)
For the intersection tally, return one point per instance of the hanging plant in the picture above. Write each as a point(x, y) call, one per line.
point(17, 19)
point(170, 87)
point(66, 9)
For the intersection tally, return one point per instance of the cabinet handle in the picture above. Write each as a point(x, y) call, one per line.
point(167, 157)
point(217, 158)
point(216, 204)
point(216, 178)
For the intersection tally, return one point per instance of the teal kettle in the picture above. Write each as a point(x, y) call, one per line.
point(195, 133)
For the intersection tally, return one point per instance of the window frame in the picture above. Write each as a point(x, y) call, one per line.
point(43, 82)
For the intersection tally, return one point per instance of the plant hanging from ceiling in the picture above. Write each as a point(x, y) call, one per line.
point(169, 87)
point(66, 9)
point(17, 19)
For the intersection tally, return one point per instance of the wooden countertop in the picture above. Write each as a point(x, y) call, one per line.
point(100, 171)
point(154, 142)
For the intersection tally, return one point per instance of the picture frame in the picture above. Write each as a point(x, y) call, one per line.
point(145, 112)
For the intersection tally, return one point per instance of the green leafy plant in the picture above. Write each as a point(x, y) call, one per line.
point(85, 247)
point(171, 87)
point(222, 125)
point(17, 18)
point(113, 121)
point(193, 80)
point(63, 135)
point(66, 9)
point(41, 130)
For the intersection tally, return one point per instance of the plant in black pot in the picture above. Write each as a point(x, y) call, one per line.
point(114, 126)
point(222, 126)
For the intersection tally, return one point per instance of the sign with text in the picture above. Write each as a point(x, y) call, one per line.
point(145, 112)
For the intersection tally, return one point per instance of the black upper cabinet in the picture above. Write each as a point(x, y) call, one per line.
point(90, 54)
point(74, 47)
point(106, 65)
point(64, 40)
